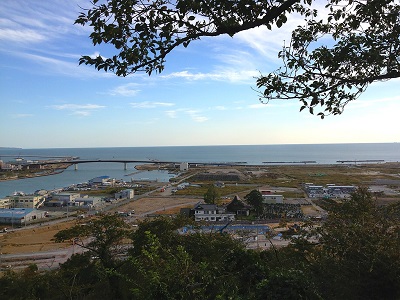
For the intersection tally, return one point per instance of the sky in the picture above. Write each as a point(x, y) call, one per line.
point(205, 96)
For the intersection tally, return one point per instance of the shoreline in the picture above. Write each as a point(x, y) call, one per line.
point(42, 174)
point(144, 167)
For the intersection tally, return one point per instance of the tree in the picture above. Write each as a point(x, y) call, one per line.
point(144, 32)
point(211, 195)
point(365, 48)
point(168, 265)
point(255, 199)
point(103, 239)
point(356, 250)
point(364, 42)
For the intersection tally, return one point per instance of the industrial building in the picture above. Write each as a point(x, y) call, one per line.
point(26, 201)
point(128, 194)
point(20, 216)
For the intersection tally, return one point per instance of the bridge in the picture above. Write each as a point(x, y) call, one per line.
point(75, 162)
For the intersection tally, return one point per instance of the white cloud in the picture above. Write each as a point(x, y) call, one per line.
point(126, 90)
point(78, 109)
point(267, 42)
point(199, 119)
point(21, 35)
point(24, 22)
point(77, 106)
point(194, 114)
point(148, 104)
point(58, 66)
point(22, 115)
point(223, 74)
point(257, 106)
point(171, 114)
point(82, 113)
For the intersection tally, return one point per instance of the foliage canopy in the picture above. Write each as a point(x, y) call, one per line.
point(212, 195)
point(255, 199)
point(352, 255)
point(329, 62)
point(332, 61)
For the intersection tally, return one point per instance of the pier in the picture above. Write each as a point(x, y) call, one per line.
point(361, 161)
point(290, 162)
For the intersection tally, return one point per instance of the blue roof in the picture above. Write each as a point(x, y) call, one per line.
point(15, 212)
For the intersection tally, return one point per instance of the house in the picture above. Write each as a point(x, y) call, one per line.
point(184, 166)
point(101, 180)
point(186, 211)
point(63, 199)
point(219, 184)
point(272, 199)
point(128, 194)
point(4, 203)
point(211, 212)
point(87, 201)
point(20, 216)
point(265, 192)
point(183, 185)
point(238, 207)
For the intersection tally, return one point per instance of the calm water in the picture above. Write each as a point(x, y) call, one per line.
point(254, 154)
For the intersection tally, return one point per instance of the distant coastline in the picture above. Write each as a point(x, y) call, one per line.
point(322, 154)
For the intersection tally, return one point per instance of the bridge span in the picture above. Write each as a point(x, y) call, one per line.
point(75, 162)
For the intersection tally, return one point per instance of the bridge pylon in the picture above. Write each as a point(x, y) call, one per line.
point(76, 167)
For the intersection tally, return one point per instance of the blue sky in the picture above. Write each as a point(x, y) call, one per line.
point(204, 96)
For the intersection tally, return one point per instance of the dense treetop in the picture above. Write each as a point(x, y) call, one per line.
point(329, 62)
point(353, 254)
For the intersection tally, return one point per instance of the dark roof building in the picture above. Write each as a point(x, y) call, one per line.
point(238, 207)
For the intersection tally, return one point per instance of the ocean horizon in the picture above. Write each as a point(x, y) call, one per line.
point(246, 154)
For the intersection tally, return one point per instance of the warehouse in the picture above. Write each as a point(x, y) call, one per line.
point(20, 216)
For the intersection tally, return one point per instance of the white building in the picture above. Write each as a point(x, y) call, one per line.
point(26, 201)
point(184, 166)
point(4, 203)
point(87, 201)
point(272, 199)
point(20, 216)
point(66, 198)
point(211, 212)
point(102, 180)
point(128, 194)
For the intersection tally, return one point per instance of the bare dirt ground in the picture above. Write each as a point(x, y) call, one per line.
point(39, 238)
point(158, 205)
point(28, 240)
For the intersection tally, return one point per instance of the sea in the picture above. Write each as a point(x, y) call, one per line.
point(243, 154)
